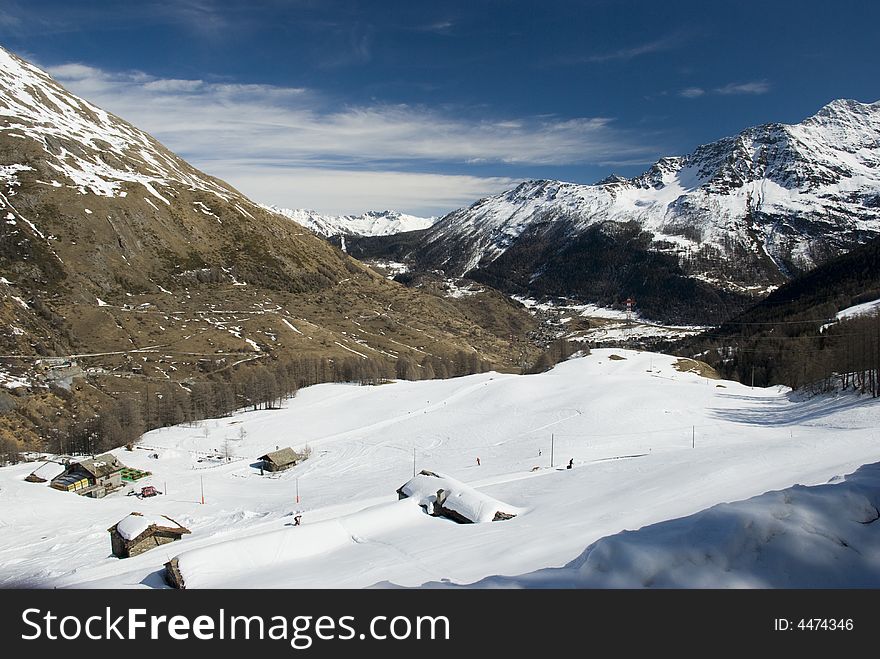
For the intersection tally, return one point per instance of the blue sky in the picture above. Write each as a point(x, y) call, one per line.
point(425, 107)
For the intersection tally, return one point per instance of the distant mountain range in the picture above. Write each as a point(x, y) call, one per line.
point(694, 238)
point(371, 223)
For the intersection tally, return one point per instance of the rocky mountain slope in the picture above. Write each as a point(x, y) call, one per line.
point(693, 238)
point(118, 255)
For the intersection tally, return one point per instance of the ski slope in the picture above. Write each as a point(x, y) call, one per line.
point(648, 444)
point(864, 309)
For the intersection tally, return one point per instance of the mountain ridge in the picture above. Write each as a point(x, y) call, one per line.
point(737, 217)
point(370, 223)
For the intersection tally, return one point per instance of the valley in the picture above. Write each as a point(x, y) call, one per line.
point(667, 379)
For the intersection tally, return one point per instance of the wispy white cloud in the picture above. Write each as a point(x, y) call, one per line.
point(352, 45)
point(297, 126)
point(274, 145)
point(258, 133)
point(734, 88)
point(9, 20)
point(754, 87)
point(668, 42)
point(692, 92)
point(348, 191)
point(440, 27)
point(204, 16)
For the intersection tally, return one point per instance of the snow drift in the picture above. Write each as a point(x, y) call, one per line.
point(241, 562)
point(824, 536)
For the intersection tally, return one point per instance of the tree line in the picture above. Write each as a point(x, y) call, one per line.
point(792, 336)
point(844, 354)
point(557, 351)
point(121, 421)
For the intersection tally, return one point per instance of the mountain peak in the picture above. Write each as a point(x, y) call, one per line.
point(848, 105)
point(848, 113)
point(612, 179)
point(739, 215)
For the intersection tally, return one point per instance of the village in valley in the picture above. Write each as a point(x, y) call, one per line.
point(105, 475)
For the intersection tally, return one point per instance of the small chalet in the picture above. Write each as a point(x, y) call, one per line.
point(138, 533)
point(442, 496)
point(92, 478)
point(280, 460)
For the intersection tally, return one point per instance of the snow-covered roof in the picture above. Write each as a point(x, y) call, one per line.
point(459, 497)
point(101, 466)
point(282, 457)
point(48, 470)
point(135, 524)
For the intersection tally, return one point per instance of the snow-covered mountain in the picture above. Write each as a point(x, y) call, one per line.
point(371, 223)
point(742, 214)
point(93, 151)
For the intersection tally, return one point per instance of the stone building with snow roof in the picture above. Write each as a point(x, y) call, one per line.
point(138, 533)
point(443, 496)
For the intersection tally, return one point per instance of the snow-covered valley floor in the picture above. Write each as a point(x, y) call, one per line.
point(648, 444)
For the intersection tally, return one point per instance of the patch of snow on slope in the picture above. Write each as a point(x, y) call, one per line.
point(855, 311)
point(97, 152)
point(9, 381)
point(865, 309)
point(454, 289)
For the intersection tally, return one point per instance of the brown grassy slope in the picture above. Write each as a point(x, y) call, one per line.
point(188, 287)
